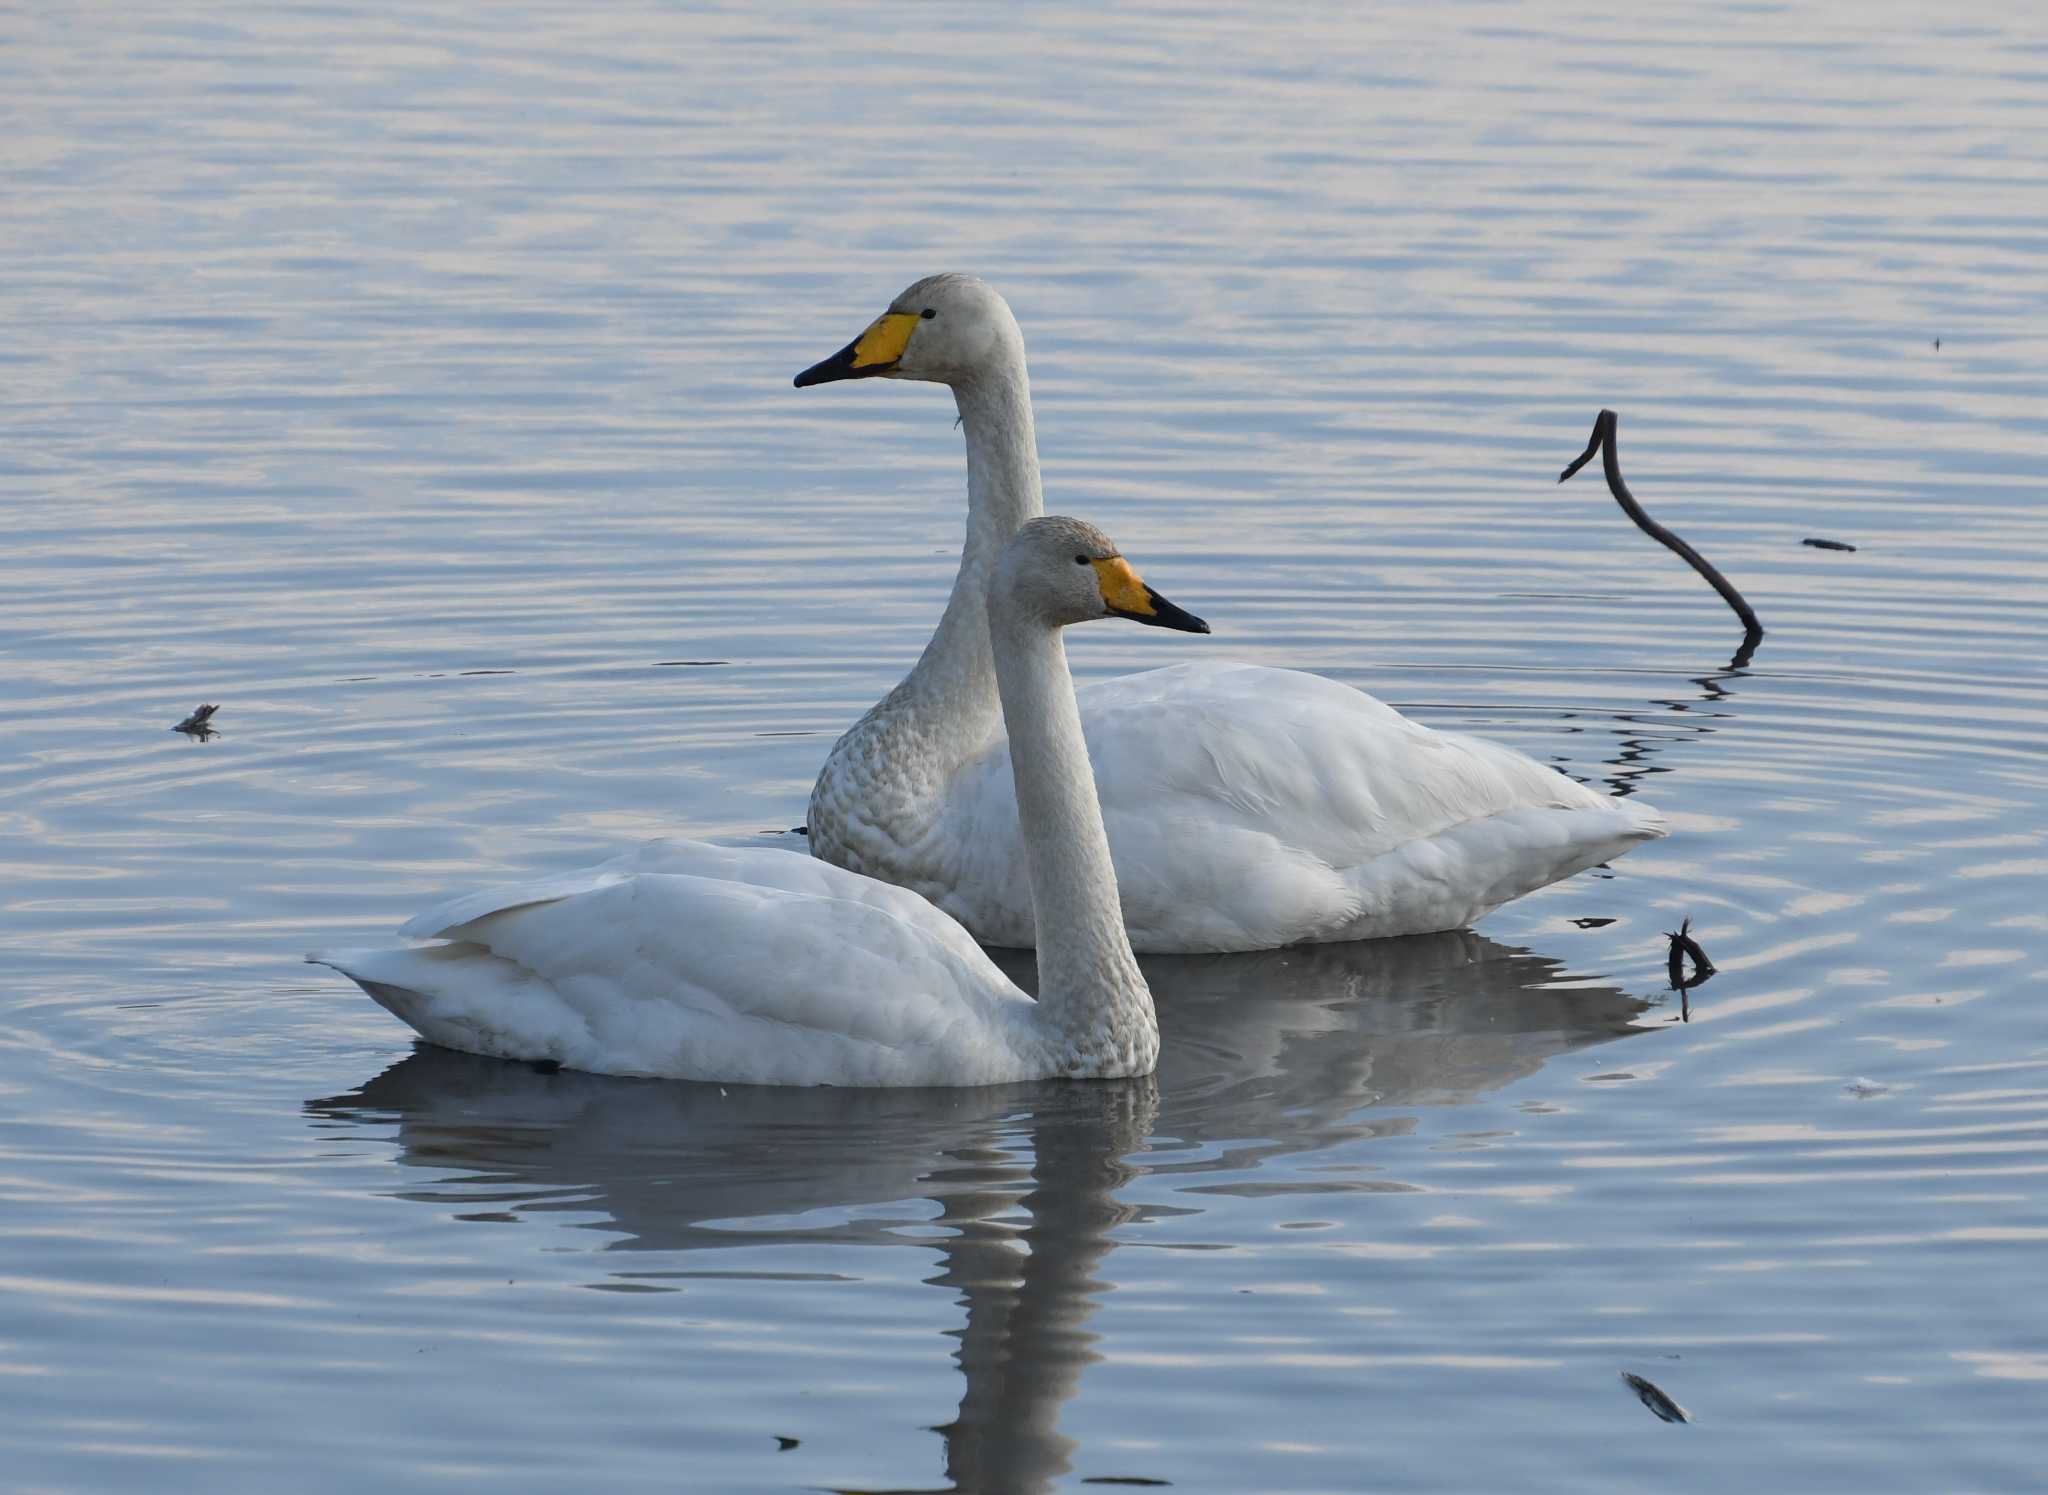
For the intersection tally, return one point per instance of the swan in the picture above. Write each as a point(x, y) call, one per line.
point(1247, 807)
point(685, 960)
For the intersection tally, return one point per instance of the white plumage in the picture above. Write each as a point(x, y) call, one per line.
point(698, 961)
point(1247, 807)
point(757, 966)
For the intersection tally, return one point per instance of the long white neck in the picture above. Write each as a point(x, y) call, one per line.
point(954, 674)
point(1091, 996)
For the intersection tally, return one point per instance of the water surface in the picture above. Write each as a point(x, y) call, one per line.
point(413, 382)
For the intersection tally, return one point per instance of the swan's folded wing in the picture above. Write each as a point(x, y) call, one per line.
point(753, 866)
point(692, 976)
point(1249, 807)
point(1326, 768)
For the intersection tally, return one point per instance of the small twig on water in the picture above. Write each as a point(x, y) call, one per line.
point(1683, 945)
point(1603, 442)
point(1828, 544)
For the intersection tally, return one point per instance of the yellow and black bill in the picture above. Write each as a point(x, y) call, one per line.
point(876, 351)
point(1127, 596)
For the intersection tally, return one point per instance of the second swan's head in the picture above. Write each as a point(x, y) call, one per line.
point(1063, 570)
point(945, 328)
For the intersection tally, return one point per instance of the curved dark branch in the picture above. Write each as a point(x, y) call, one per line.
point(1603, 442)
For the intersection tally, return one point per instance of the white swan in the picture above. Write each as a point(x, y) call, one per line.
point(757, 966)
point(1247, 807)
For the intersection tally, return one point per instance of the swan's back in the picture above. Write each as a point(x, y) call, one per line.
point(686, 960)
point(1250, 807)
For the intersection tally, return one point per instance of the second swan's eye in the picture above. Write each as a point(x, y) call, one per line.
point(1080, 560)
point(927, 313)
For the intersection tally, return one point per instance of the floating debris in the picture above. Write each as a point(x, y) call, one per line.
point(784, 1445)
point(1828, 544)
point(1592, 923)
point(198, 723)
point(1937, 345)
point(691, 664)
point(1684, 946)
point(1655, 1400)
point(1123, 1479)
point(1603, 442)
point(1862, 1089)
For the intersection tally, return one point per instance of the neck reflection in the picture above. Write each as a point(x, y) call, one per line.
point(1266, 1057)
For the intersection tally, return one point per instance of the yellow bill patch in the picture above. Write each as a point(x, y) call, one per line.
point(885, 339)
point(1121, 587)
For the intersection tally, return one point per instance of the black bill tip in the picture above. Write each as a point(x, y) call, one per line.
point(839, 366)
point(1165, 615)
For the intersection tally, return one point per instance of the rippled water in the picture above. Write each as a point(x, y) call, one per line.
point(414, 383)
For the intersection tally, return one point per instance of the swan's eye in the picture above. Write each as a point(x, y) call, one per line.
point(927, 313)
point(1080, 560)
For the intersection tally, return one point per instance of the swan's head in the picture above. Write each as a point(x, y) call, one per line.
point(1064, 571)
point(946, 328)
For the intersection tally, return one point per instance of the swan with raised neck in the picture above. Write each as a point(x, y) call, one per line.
point(1247, 807)
point(755, 965)
point(885, 781)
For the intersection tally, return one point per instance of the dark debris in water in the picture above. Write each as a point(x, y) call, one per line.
point(688, 664)
point(1684, 946)
point(1592, 923)
point(1828, 544)
point(784, 1445)
point(1123, 1479)
point(198, 724)
point(1665, 1408)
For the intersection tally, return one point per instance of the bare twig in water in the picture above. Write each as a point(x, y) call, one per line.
point(198, 723)
point(1683, 945)
point(1603, 442)
point(1656, 1400)
point(1828, 544)
point(1683, 941)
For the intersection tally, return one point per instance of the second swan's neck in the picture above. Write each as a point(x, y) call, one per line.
point(1091, 995)
point(955, 672)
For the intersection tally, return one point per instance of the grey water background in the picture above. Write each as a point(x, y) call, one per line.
point(414, 382)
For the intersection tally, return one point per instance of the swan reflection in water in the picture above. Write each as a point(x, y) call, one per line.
point(1265, 1055)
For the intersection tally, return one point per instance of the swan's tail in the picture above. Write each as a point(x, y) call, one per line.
point(462, 997)
point(1449, 880)
point(1648, 821)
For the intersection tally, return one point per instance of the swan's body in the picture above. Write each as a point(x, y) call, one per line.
point(753, 966)
point(1249, 808)
point(1246, 807)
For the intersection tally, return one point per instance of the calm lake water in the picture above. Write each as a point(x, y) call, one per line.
point(414, 383)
